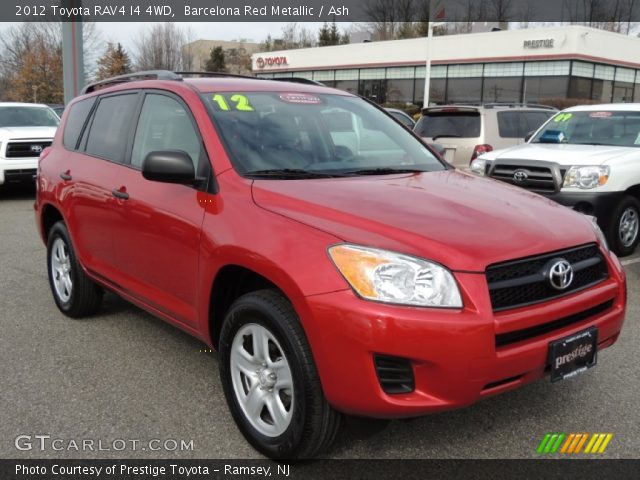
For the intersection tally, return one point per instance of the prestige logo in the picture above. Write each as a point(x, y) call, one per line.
point(581, 351)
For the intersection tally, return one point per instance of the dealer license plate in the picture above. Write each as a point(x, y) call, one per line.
point(572, 355)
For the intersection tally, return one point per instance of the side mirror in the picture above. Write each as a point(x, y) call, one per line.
point(529, 135)
point(171, 166)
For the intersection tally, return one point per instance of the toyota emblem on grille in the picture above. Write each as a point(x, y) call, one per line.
point(36, 148)
point(520, 176)
point(560, 274)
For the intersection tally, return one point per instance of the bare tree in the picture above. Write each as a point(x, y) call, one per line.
point(295, 36)
point(160, 47)
point(26, 47)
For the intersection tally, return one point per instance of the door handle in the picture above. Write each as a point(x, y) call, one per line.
point(66, 175)
point(120, 194)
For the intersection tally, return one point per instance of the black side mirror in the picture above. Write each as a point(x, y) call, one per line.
point(529, 135)
point(171, 166)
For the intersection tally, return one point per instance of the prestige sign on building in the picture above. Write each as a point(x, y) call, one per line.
point(545, 65)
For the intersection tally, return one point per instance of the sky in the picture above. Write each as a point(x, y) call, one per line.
point(126, 32)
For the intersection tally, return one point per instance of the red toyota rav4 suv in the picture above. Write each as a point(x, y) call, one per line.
point(333, 261)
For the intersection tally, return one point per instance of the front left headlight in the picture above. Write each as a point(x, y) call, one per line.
point(396, 278)
point(586, 177)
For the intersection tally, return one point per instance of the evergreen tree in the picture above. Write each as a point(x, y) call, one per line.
point(216, 61)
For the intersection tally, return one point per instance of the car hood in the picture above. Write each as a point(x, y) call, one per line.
point(460, 220)
point(563, 154)
point(23, 133)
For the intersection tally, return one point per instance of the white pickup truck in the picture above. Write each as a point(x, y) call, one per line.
point(25, 130)
point(587, 158)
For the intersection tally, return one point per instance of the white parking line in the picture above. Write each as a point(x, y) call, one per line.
point(630, 261)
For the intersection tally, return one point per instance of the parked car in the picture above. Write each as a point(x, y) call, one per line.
point(587, 158)
point(26, 129)
point(58, 108)
point(402, 117)
point(334, 275)
point(466, 132)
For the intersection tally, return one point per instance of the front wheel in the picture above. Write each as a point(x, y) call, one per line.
point(623, 234)
point(270, 380)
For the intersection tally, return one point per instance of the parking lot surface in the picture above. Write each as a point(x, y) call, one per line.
point(124, 374)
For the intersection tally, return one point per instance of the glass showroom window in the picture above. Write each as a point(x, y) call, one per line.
point(350, 86)
point(580, 87)
point(502, 89)
point(437, 90)
point(399, 91)
point(540, 89)
point(460, 90)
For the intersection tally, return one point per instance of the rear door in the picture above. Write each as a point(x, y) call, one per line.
point(94, 138)
point(157, 236)
point(457, 129)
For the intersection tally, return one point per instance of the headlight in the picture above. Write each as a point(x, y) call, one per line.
point(586, 177)
point(599, 233)
point(478, 166)
point(395, 278)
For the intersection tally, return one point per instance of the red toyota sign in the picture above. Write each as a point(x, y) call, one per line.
point(262, 62)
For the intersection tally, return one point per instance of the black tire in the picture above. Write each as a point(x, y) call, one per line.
point(314, 423)
point(84, 296)
point(627, 204)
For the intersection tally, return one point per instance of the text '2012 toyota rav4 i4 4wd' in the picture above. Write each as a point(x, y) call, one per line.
point(333, 261)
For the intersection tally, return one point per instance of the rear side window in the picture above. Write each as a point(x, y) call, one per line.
point(449, 124)
point(519, 123)
point(76, 119)
point(111, 126)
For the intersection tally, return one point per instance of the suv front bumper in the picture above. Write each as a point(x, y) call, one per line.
point(22, 170)
point(597, 204)
point(453, 353)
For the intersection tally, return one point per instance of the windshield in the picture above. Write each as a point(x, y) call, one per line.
point(596, 127)
point(449, 124)
point(28, 117)
point(298, 135)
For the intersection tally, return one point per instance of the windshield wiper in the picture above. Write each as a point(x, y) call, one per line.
point(292, 173)
point(382, 171)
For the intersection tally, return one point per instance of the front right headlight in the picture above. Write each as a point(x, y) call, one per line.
point(391, 277)
point(586, 177)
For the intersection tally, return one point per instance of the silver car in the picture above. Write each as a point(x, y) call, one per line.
point(466, 131)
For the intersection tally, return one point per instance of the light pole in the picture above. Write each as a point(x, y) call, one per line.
point(72, 53)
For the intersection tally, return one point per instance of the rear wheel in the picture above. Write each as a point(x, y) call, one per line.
point(270, 380)
point(74, 293)
point(623, 234)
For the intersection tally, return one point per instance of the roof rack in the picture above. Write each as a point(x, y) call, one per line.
point(178, 77)
point(131, 77)
point(302, 80)
point(516, 104)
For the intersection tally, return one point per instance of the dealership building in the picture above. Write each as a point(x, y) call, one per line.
point(527, 65)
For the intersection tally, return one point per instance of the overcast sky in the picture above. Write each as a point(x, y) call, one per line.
point(126, 32)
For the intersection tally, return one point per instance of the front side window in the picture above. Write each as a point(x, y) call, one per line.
point(306, 134)
point(164, 125)
point(19, 116)
point(110, 127)
point(597, 127)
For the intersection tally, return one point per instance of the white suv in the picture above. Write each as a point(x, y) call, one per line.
point(25, 130)
point(587, 158)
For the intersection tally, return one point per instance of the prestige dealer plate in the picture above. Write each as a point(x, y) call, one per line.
point(574, 354)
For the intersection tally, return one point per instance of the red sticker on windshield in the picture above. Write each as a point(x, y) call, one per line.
point(600, 114)
point(303, 98)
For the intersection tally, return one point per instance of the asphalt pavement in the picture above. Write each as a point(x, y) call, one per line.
point(125, 375)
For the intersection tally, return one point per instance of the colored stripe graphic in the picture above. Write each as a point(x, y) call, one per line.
point(573, 443)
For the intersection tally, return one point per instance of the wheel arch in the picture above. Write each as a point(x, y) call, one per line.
point(49, 217)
